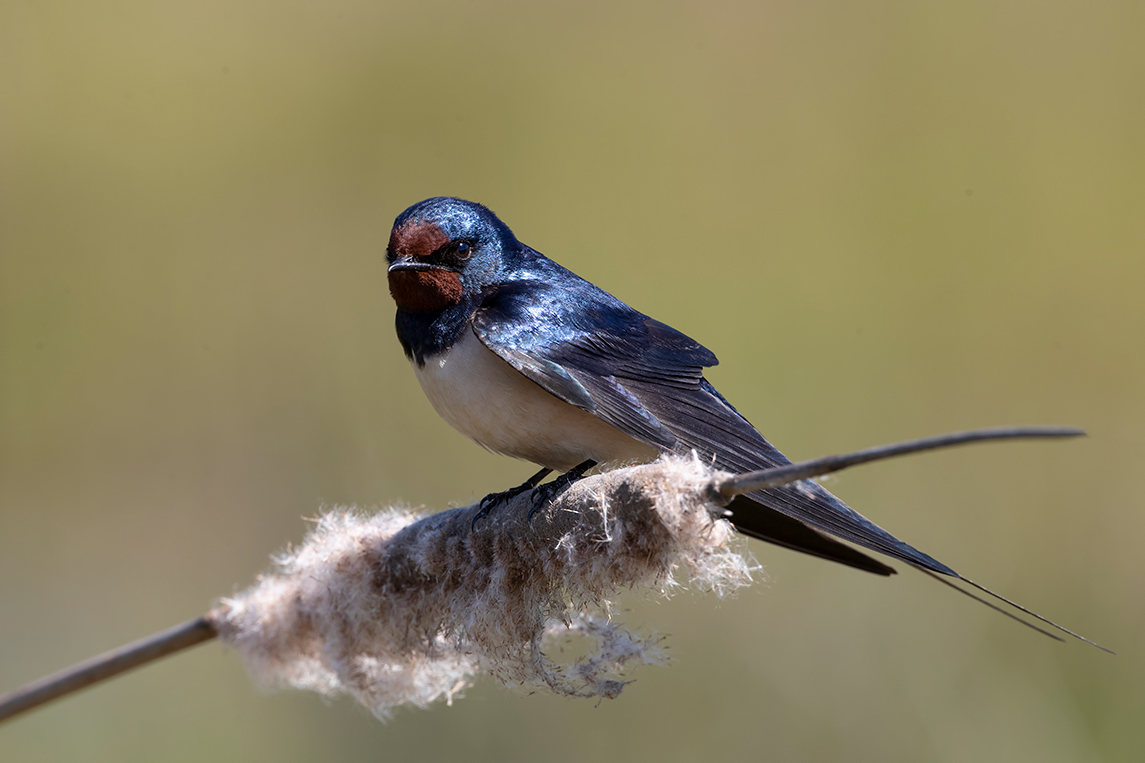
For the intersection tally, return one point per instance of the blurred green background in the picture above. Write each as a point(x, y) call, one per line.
point(888, 220)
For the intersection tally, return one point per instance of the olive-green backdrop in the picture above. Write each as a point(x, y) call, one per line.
point(888, 220)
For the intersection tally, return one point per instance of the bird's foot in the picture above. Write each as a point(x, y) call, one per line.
point(493, 500)
point(545, 494)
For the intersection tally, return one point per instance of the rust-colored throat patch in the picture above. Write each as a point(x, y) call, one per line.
point(418, 291)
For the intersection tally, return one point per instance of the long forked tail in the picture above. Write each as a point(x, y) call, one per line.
point(1015, 605)
point(774, 477)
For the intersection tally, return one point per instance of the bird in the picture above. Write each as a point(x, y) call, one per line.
point(532, 361)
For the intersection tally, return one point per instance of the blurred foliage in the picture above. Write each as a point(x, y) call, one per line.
point(888, 219)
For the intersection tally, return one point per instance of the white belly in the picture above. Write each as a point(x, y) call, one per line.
point(487, 400)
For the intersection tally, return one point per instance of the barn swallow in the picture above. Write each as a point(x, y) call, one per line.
point(532, 361)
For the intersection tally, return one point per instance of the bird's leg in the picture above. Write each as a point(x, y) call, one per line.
point(546, 493)
point(491, 501)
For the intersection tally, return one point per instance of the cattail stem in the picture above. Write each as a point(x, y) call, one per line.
point(616, 488)
point(783, 475)
point(108, 665)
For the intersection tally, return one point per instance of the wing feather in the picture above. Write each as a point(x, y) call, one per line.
point(646, 379)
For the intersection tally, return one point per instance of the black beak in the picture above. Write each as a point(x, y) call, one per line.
point(408, 264)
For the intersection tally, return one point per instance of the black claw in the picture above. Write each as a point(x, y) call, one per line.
point(493, 500)
point(545, 494)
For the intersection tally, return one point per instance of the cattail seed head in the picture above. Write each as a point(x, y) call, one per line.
point(395, 609)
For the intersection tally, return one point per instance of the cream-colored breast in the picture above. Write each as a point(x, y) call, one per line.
point(487, 400)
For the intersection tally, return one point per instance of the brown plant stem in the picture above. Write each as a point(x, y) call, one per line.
point(816, 467)
point(107, 665)
point(719, 492)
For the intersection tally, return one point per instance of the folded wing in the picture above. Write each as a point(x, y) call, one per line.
point(646, 379)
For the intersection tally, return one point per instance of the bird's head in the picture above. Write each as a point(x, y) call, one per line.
point(443, 251)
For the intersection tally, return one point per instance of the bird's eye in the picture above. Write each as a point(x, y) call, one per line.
point(462, 250)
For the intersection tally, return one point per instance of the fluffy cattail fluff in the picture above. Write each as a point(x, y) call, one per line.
point(394, 609)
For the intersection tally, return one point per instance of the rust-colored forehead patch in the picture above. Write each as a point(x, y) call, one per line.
point(416, 238)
